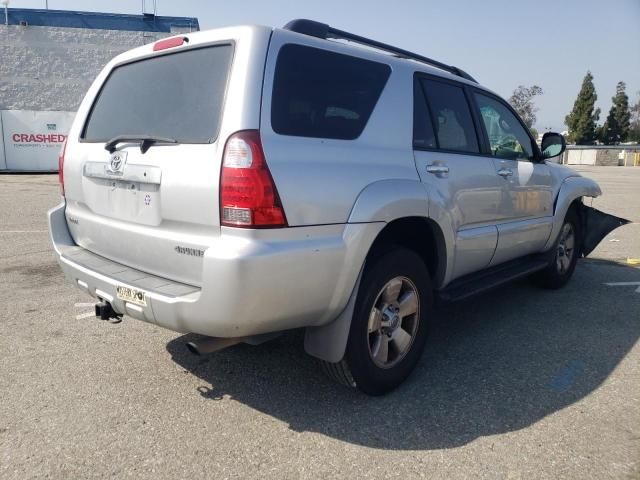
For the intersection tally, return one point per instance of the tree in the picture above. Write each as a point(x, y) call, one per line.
point(582, 119)
point(522, 102)
point(634, 121)
point(616, 127)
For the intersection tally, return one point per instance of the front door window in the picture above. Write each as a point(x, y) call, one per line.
point(507, 137)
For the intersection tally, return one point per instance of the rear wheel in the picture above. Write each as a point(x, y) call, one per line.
point(567, 251)
point(389, 326)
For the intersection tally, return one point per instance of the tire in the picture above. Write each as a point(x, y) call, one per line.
point(385, 343)
point(561, 268)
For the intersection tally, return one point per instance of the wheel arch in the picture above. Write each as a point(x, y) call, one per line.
point(418, 233)
point(404, 205)
point(571, 192)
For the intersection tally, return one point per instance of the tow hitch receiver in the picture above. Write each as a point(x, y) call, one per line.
point(104, 311)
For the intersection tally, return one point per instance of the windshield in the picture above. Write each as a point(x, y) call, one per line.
point(176, 96)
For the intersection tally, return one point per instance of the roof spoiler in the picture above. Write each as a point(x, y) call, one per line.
point(326, 32)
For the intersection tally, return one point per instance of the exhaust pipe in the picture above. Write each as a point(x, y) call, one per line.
point(212, 344)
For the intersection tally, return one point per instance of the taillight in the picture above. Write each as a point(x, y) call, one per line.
point(61, 166)
point(248, 196)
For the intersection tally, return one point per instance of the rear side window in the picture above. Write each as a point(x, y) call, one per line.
point(423, 134)
point(451, 116)
point(178, 96)
point(322, 94)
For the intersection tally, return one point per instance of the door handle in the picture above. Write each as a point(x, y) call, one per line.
point(505, 172)
point(437, 169)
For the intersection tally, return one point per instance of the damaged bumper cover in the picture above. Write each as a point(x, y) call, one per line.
point(597, 225)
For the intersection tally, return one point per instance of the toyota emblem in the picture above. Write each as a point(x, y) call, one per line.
point(117, 161)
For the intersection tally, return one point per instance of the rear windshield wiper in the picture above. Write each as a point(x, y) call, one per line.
point(145, 141)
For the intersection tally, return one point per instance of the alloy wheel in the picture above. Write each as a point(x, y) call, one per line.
point(566, 248)
point(393, 322)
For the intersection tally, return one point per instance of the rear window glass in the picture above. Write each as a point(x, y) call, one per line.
point(178, 96)
point(322, 94)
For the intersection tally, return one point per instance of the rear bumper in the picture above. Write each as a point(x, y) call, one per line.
point(254, 282)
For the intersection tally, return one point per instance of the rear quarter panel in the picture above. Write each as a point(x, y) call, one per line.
point(318, 179)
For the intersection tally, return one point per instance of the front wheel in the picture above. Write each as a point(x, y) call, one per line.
point(389, 326)
point(567, 251)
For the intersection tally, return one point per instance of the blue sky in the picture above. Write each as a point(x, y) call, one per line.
point(502, 43)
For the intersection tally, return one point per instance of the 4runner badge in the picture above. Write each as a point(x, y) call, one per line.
point(192, 252)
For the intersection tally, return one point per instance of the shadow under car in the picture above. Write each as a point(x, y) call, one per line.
point(496, 363)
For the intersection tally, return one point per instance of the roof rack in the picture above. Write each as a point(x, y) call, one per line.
point(324, 31)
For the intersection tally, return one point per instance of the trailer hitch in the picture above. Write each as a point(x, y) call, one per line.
point(104, 311)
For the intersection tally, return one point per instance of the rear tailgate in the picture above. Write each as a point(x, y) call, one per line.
point(157, 210)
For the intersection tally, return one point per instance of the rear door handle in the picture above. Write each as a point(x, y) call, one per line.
point(505, 172)
point(437, 169)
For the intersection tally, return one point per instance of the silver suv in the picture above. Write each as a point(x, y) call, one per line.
point(240, 182)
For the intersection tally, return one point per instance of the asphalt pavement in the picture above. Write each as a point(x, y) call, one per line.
point(517, 383)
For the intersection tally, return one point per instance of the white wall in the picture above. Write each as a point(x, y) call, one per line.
point(51, 68)
point(581, 157)
point(45, 72)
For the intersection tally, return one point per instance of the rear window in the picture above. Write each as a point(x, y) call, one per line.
point(178, 96)
point(322, 94)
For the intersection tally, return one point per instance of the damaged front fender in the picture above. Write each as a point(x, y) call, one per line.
point(596, 225)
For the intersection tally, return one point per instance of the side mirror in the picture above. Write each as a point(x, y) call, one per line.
point(553, 144)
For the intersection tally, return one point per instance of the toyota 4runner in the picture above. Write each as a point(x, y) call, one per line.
point(239, 182)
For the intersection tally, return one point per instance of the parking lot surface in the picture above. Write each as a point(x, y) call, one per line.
point(517, 383)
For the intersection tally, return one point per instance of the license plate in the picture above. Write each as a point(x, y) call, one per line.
point(131, 295)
